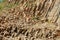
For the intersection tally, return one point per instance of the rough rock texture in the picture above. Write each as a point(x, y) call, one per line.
point(31, 20)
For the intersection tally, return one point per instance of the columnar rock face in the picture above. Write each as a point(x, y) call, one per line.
point(31, 20)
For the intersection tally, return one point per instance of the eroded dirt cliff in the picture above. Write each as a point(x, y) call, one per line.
point(31, 20)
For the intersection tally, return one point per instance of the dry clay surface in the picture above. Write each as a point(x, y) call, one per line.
point(31, 20)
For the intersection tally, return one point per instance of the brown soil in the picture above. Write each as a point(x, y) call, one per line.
point(31, 20)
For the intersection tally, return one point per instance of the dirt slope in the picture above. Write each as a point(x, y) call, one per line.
point(30, 20)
